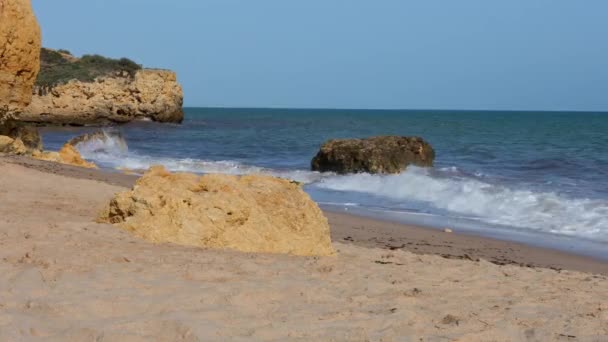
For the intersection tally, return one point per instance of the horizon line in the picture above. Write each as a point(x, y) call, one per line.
point(405, 109)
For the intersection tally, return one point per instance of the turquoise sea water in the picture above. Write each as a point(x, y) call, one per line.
point(540, 174)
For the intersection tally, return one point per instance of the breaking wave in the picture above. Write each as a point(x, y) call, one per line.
point(110, 150)
point(447, 192)
point(542, 211)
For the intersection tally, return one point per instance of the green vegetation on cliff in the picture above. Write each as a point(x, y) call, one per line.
point(59, 67)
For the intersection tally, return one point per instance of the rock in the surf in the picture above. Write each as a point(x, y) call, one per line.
point(252, 213)
point(382, 154)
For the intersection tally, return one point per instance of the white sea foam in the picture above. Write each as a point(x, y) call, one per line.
point(111, 143)
point(112, 151)
point(453, 194)
point(542, 211)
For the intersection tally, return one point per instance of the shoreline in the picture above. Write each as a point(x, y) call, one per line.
point(377, 233)
point(67, 277)
point(574, 245)
point(374, 232)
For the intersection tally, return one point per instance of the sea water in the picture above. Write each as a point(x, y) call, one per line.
point(530, 176)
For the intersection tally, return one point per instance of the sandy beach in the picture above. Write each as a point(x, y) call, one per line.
point(273, 203)
point(66, 277)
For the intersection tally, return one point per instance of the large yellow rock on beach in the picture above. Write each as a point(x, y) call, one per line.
point(67, 155)
point(253, 213)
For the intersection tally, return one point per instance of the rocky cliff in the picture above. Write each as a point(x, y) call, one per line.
point(19, 55)
point(120, 97)
point(19, 65)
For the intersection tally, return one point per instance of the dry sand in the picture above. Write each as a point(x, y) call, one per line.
point(65, 277)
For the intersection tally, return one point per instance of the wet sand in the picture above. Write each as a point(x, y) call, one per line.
point(375, 233)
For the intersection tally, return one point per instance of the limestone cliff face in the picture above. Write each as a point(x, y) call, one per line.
point(150, 94)
point(19, 55)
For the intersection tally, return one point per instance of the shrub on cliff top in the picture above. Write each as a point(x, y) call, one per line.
point(51, 57)
point(56, 69)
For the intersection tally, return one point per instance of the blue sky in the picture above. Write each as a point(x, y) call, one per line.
point(465, 54)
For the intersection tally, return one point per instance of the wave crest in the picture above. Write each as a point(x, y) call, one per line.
point(541, 211)
point(447, 192)
point(108, 142)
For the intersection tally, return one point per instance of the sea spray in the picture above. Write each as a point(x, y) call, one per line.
point(525, 172)
point(109, 148)
point(448, 192)
point(104, 142)
point(542, 211)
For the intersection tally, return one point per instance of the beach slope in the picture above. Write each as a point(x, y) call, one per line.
point(66, 277)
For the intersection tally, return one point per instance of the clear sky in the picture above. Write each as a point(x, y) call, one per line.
point(464, 54)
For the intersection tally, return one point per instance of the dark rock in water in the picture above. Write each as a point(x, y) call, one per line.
point(383, 154)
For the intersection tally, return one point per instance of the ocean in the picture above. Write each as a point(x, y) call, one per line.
point(535, 177)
